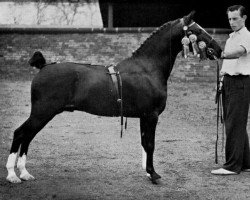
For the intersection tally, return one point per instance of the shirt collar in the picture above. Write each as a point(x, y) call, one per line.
point(242, 30)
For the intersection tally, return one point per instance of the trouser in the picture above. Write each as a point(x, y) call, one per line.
point(236, 99)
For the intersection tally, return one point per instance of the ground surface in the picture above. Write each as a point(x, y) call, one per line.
point(81, 156)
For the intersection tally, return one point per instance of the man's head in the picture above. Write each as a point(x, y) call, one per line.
point(236, 17)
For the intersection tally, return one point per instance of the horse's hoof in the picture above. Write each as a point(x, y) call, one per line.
point(26, 177)
point(13, 179)
point(153, 177)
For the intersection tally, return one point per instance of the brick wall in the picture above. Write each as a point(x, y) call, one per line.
point(96, 48)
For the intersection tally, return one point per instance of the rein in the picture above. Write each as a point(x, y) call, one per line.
point(218, 101)
point(220, 117)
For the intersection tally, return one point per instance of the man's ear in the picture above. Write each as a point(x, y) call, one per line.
point(244, 17)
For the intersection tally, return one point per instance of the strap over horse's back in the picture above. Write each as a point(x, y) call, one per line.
point(117, 82)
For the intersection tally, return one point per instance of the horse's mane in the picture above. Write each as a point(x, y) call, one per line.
point(167, 25)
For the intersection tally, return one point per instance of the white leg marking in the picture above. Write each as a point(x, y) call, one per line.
point(144, 158)
point(21, 166)
point(12, 177)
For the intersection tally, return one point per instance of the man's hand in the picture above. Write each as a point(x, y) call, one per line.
point(211, 54)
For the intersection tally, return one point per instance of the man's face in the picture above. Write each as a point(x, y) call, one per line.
point(235, 20)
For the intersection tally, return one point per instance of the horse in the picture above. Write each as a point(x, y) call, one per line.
point(89, 88)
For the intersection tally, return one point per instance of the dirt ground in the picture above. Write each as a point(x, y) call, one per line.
point(81, 156)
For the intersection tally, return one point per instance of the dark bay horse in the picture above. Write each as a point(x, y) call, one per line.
point(89, 88)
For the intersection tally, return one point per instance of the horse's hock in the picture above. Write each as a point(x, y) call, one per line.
point(96, 46)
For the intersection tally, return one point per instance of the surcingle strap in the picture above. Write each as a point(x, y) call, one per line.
point(115, 76)
point(117, 81)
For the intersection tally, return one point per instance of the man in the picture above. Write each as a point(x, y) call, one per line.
point(236, 93)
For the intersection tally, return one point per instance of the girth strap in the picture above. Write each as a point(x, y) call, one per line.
point(117, 81)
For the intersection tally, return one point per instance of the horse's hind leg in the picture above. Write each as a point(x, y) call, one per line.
point(148, 127)
point(17, 140)
point(22, 138)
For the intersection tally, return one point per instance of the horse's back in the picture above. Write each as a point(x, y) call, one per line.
point(85, 87)
point(62, 74)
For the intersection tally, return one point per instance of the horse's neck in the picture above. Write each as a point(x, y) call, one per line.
point(162, 55)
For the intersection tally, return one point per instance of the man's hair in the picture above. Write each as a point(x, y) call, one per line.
point(241, 8)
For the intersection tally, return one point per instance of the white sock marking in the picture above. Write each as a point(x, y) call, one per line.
point(12, 177)
point(21, 166)
point(144, 158)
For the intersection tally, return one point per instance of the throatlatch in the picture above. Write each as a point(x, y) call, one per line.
point(220, 117)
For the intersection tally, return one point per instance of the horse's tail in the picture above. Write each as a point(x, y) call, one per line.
point(37, 60)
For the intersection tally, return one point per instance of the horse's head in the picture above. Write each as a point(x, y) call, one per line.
point(191, 27)
point(37, 60)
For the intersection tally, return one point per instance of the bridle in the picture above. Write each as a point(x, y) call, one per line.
point(198, 26)
point(193, 23)
point(192, 38)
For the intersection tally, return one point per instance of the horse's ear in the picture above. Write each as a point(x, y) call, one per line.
point(189, 18)
point(191, 14)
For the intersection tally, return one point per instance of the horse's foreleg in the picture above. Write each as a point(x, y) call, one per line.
point(144, 158)
point(148, 127)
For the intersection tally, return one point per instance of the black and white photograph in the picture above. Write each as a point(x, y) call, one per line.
point(124, 100)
